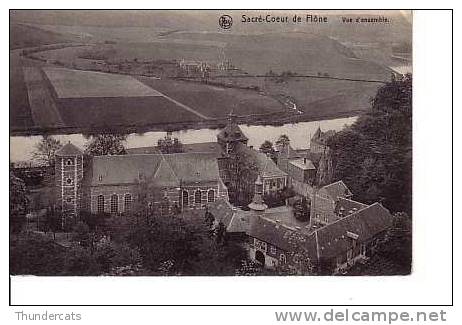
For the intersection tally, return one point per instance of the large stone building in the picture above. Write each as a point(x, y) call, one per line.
point(146, 178)
point(118, 184)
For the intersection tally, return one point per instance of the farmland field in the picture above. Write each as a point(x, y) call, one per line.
point(216, 102)
point(76, 83)
point(108, 112)
point(95, 99)
point(43, 107)
point(20, 115)
point(315, 96)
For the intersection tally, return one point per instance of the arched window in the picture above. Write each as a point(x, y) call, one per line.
point(185, 198)
point(114, 203)
point(69, 162)
point(211, 196)
point(127, 202)
point(198, 197)
point(100, 202)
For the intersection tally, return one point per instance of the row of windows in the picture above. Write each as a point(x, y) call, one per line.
point(114, 200)
point(198, 196)
point(114, 203)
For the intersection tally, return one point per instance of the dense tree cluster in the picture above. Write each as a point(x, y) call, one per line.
point(169, 145)
point(178, 246)
point(106, 144)
point(374, 156)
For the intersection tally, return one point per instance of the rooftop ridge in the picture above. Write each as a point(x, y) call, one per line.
point(347, 199)
point(153, 154)
point(348, 216)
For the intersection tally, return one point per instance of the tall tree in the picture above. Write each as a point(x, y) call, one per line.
point(45, 150)
point(169, 144)
point(268, 149)
point(106, 144)
point(283, 140)
point(374, 156)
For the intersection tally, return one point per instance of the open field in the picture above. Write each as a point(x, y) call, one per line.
point(20, 114)
point(93, 99)
point(76, 84)
point(22, 36)
point(316, 96)
point(102, 100)
point(43, 108)
point(216, 102)
point(111, 112)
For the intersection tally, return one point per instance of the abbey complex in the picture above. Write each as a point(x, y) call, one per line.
point(230, 181)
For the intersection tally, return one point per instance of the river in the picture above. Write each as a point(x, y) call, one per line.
point(22, 147)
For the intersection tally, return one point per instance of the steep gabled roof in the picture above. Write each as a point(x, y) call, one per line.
point(191, 168)
point(186, 168)
point(265, 165)
point(234, 219)
point(336, 190)
point(345, 205)
point(69, 150)
point(363, 225)
point(275, 233)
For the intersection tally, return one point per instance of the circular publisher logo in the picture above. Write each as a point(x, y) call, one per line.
point(225, 21)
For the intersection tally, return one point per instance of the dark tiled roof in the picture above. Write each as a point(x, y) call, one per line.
point(345, 205)
point(235, 220)
point(336, 190)
point(222, 210)
point(365, 223)
point(128, 169)
point(286, 238)
point(69, 150)
point(266, 166)
point(275, 233)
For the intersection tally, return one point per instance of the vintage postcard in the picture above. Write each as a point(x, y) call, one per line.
point(210, 143)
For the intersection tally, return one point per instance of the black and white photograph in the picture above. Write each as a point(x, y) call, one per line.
point(210, 143)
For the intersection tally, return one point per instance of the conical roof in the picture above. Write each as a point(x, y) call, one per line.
point(69, 150)
point(257, 203)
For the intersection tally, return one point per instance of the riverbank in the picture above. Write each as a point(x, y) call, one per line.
point(273, 119)
point(22, 147)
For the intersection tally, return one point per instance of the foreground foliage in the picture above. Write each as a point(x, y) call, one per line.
point(374, 156)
